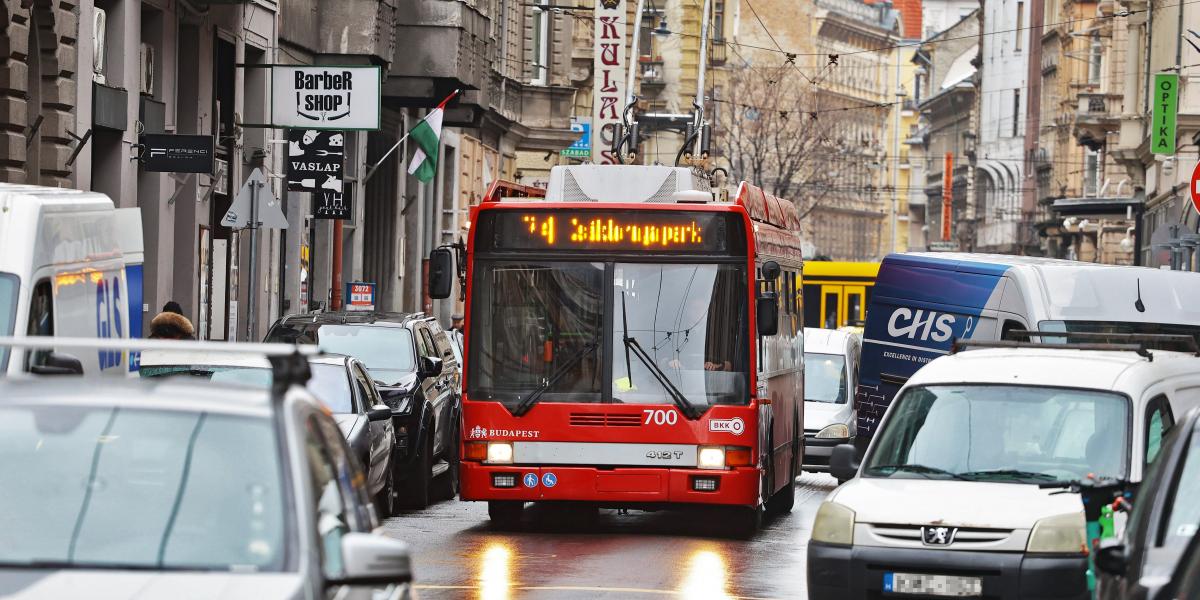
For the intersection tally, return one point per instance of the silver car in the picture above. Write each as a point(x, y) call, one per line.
point(143, 488)
point(340, 382)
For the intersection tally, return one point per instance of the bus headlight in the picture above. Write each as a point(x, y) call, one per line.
point(837, 431)
point(500, 453)
point(1060, 534)
point(834, 524)
point(710, 457)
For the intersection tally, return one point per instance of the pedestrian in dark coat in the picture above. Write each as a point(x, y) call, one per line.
point(171, 326)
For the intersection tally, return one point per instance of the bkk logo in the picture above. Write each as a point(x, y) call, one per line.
point(921, 324)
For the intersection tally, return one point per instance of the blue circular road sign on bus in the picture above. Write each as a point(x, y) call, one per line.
point(549, 480)
point(530, 480)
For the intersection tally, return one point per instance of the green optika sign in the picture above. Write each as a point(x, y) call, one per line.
point(1166, 107)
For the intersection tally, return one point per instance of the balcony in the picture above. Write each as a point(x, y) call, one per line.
point(1096, 117)
point(651, 77)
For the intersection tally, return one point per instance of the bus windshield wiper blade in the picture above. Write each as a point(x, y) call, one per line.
point(562, 370)
point(921, 469)
point(690, 411)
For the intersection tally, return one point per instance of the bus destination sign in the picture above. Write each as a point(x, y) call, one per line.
point(661, 231)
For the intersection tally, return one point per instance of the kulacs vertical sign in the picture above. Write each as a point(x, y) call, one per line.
point(608, 77)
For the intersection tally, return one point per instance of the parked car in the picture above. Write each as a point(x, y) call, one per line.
point(1163, 521)
point(948, 495)
point(410, 357)
point(830, 375)
point(1186, 580)
point(340, 382)
point(150, 488)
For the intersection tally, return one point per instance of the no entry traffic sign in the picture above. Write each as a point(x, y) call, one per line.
point(1194, 186)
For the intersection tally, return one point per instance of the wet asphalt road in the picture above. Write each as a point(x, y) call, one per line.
point(559, 554)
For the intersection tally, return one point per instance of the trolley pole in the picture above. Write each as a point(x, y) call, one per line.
point(704, 22)
point(634, 53)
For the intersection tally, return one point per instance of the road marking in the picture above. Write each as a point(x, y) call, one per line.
point(581, 588)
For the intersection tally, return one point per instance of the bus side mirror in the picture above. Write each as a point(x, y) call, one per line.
point(441, 273)
point(766, 311)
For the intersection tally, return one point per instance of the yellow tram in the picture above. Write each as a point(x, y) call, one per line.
point(836, 293)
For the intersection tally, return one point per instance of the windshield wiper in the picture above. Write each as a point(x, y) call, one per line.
point(564, 368)
point(1009, 474)
point(920, 469)
point(690, 411)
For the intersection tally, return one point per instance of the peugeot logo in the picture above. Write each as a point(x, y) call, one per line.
point(938, 536)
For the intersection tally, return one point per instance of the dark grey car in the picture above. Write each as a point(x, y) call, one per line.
point(149, 488)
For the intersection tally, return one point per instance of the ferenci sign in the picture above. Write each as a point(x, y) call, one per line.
point(305, 97)
point(608, 81)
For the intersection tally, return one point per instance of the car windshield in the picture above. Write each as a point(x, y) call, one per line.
point(825, 378)
point(328, 383)
point(9, 284)
point(1183, 511)
point(1002, 433)
point(115, 487)
point(1124, 327)
point(386, 351)
point(690, 320)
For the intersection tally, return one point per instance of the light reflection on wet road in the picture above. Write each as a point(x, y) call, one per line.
point(559, 554)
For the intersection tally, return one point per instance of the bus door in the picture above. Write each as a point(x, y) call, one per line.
point(854, 303)
point(842, 305)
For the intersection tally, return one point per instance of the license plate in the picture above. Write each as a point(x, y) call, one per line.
point(932, 585)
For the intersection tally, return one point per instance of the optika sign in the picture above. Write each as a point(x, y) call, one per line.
point(325, 97)
point(921, 325)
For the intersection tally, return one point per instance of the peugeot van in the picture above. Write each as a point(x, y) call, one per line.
point(62, 273)
point(950, 497)
point(922, 302)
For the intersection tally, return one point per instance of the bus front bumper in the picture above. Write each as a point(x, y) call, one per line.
point(633, 485)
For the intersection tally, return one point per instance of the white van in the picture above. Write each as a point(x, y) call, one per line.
point(922, 302)
point(830, 374)
point(62, 273)
point(948, 496)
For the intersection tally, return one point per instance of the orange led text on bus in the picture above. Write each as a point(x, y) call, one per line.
point(612, 231)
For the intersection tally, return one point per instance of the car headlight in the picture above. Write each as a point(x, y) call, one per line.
point(1060, 534)
point(834, 524)
point(837, 431)
point(405, 405)
point(710, 457)
point(500, 453)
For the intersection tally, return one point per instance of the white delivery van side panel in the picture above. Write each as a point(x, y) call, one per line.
point(72, 278)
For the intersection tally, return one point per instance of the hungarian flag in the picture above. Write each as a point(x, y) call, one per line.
point(427, 134)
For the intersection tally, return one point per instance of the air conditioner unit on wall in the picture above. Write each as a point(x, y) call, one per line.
point(99, 34)
point(147, 70)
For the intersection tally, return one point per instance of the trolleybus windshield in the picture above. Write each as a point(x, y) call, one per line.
point(651, 331)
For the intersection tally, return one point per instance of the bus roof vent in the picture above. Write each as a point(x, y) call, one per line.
point(622, 183)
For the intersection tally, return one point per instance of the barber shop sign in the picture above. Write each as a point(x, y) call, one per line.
point(325, 97)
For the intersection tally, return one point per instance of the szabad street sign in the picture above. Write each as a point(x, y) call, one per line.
point(1195, 187)
point(325, 97)
point(255, 203)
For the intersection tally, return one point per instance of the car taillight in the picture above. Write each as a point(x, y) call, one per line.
point(737, 456)
point(476, 451)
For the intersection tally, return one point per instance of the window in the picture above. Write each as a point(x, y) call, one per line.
point(1095, 59)
point(41, 321)
point(1020, 26)
point(825, 378)
point(9, 286)
point(1091, 173)
point(1016, 112)
point(1182, 511)
point(1158, 422)
point(330, 509)
point(541, 43)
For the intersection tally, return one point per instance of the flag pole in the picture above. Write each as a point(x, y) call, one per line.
point(441, 106)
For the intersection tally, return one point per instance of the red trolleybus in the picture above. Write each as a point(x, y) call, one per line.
point(632, 340)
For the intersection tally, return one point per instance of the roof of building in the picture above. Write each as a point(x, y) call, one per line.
point(910, 18)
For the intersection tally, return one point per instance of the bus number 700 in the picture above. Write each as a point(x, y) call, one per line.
point(661, 417)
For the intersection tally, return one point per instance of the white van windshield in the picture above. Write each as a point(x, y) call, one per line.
point(1005, 433)
point(825, 378)
point(9, 284)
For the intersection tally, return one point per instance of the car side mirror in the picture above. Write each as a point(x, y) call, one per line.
point(374, 559)
point(379, 412)
point(1110, 558)
point(57, 363)
point(843, 462)
point(766, 311)
point(430, 367)
point(441, 273)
